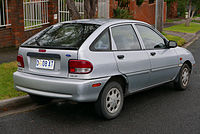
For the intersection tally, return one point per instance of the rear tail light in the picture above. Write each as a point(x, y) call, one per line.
point(80, 66)
point(20, 61)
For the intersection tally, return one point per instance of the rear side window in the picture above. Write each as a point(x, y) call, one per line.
point(125, 37)
point(102, 43)
point(66, 36)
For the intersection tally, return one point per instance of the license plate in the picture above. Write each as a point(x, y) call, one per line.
point(45, 64)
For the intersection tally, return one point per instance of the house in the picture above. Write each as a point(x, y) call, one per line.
point(21, 19)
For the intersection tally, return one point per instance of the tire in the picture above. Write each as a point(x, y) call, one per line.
point(183, 78)
point(40, 99)
point(110, 101)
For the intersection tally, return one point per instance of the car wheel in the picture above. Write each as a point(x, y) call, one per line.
point(40, 99)
point(183, 78)
point(110, 101)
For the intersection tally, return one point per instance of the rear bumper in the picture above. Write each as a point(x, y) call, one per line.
point(72, 89)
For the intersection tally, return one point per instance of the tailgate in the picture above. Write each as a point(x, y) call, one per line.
point(49, 62)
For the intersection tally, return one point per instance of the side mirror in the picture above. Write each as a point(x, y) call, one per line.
point(172, 44)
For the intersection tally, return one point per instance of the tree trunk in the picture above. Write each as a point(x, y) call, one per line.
point(72, 9)
point(187, 23)
point(189, 19)
point(90, 7)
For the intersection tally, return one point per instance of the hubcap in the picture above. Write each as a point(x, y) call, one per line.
point(113, 100)
point(185, 76)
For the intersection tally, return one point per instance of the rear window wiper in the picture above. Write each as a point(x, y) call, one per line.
point(36, 41)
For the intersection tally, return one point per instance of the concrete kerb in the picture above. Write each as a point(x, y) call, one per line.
point(189, 37)
point(197, 36)
point(7, 104)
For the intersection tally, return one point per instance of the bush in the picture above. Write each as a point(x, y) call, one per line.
point(122, 13)
point(139, 2)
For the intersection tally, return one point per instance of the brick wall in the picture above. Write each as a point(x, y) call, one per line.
point(6, 37)
point(15, 34)
point(144, 12)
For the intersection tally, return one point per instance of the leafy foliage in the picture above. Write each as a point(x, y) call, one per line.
point(196, 4)
point(123, 3)
point(122, 13)
point(139, 2)
point(151, 1)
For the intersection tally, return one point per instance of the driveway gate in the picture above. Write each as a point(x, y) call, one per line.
point(63, 12)
point(103, 8)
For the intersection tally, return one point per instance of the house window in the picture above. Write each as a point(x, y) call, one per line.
point(35, 13)
point(4, 13)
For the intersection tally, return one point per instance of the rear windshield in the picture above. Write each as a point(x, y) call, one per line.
point(66, 36)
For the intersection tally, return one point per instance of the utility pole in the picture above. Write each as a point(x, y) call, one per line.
point(159, 15)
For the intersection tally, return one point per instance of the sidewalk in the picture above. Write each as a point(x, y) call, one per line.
point(8, 54)
point(187, 36)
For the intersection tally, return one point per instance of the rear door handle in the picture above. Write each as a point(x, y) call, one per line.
point(120, 56)
point(153, 53)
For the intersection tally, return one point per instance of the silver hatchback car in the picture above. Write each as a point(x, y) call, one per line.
point(101, 61)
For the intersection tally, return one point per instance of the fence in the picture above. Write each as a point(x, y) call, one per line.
point(103, 8)
point(63, 12)
point(4, 13)
point(35, 13)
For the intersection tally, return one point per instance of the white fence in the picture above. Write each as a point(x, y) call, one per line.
point(4, 13)
point(35, 13)
point(63, 12)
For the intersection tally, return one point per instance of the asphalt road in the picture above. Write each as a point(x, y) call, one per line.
point(161, 110)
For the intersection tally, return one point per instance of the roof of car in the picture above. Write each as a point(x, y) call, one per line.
point(104, 21)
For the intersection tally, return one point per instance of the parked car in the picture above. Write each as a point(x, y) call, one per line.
point(101, 61)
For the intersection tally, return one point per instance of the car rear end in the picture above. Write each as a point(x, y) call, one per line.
point(47, 60)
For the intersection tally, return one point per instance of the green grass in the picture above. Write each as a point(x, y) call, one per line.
point(196, 21)
point(180, 41)
point(193, 28)
point(6, 81)
point(172, 20)
point(169, 20)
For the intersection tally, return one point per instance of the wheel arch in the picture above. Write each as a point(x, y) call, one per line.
point(189, 64)
point(122, 79)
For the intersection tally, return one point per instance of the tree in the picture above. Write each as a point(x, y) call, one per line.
point(193, 6)
point(89, 9)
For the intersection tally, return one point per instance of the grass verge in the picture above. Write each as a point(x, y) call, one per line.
point(193, 28)
point(172, 20)
point(196, 21)
point(180, 41)
point(6, 81)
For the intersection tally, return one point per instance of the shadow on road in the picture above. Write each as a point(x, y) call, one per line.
point(138, 102)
